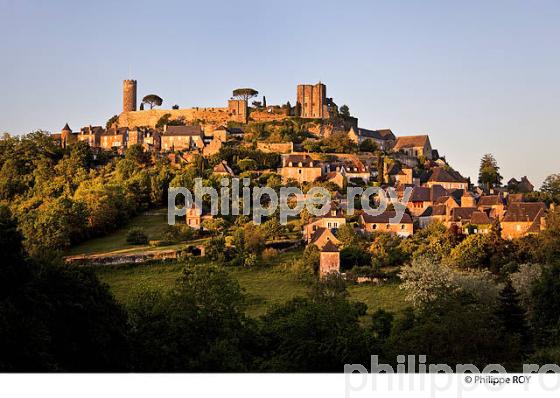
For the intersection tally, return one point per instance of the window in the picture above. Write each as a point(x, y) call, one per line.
point(388, 226)
point(374, 226)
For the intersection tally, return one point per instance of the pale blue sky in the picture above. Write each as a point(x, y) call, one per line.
point(478, 76)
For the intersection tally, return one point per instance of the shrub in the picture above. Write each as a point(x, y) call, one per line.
point(136, 236)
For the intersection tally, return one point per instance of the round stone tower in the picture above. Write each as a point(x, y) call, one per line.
point(129, 95)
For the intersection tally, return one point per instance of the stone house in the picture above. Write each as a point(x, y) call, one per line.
point(520, 186)
point(301, 168)
point(323, 235)
point(414, 146)
point(91, 135)
point(333, 220)
point(382, 223)
point(523, 218)
point(115, 138)
point(435, 213)
point(329, 260)
point(423, 197)
point(384, 139)
point(179, 138)
point(194, 217)
point(447, 178)
point(223, 169)
point(213, 147)
point(493, 205)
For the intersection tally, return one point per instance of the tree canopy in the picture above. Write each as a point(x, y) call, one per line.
point(489, 175)
point(152, 100)
point(245, 93)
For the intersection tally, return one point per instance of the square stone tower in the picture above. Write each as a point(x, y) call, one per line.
point(312, 100)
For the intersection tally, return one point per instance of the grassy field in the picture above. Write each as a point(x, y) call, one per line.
point(153, 222)
point(264, 287)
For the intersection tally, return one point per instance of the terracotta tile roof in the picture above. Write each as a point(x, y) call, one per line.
point(524, 211)
point(384, 218)
point(412, 141)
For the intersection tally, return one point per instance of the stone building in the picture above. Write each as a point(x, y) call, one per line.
point(313, 101)
point(67, 137)
point(523, 218)
point(178, 138)
point(384, 139)
point(447, 178)
point(129, 95)
point(238, 110)
point(414, 146)
point(91, 135)
point(329, 260)
point(382, 223)
point(301, 168)
point(115, 138)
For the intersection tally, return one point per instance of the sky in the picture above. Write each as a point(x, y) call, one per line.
point(478, 76)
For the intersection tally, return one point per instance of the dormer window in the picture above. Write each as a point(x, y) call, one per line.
point(311, 164)
point(290, 164)
point(300, 164)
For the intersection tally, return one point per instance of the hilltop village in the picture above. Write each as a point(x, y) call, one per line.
point(317, 143)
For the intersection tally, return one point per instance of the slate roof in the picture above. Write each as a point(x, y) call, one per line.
point(385, 134)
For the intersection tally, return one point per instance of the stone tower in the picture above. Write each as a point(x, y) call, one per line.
point(312, 99)
point(129, 95)
point(66, 136)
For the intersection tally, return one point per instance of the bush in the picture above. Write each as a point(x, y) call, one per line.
point(136, 236)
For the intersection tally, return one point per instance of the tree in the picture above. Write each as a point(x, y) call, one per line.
point(175, 107)
point(257, 104)
point(344, 111)
point(264, 102)
point(152, 100)
point(511, 314)
point(111, 121)
point(198, 326)
point(136, 236)
point(368, 146)
point(288, 109)
point(551, 185)
point(546, 306)
point(244, 93)
point(489, 176)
